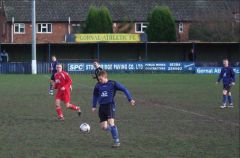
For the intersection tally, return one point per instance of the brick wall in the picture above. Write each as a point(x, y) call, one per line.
point(2, 24)
point(183, 36)
point(59, 30)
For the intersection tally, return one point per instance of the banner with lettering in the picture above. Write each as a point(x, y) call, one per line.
point(133, 66)
point(94, 38)
point(213, 70)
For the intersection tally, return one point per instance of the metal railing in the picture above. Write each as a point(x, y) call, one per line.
point(15, 68)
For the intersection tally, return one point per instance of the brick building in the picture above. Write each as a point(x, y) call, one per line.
point(57, 18)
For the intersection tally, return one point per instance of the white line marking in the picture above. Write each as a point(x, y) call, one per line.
point(200, 115)
point(180, 110)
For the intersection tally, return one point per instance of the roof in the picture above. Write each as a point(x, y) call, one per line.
point(132, 10)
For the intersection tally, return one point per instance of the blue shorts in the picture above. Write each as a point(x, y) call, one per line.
point(106, 111)
point(52, 77)
point(227, 87)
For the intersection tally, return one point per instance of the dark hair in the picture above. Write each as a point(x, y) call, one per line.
point(95, 61)
point(225, 59)
point(102, 73)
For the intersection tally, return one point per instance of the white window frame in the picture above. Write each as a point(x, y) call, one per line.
point(44, 27)
point(20, 26)
point(143, 25)
point(237, 17)
point(181, 27)
point(76, 24)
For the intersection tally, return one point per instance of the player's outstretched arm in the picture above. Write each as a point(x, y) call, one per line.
point(69, 81)
point(233, 77)
point(133, 102)
point(120, 87)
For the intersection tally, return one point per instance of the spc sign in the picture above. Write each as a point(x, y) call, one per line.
point(76, 67)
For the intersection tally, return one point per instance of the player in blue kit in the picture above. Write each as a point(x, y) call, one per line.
point(103, 94)
point(53, 70)
point(227, 75)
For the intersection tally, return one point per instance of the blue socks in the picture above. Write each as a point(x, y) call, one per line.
point(224, 99)
point(230, 99)
point(114, 132)
point(50, 87)
point(227, 97)
point(108, 129)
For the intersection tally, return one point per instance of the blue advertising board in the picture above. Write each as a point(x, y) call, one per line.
point(121, 67)
point(134, 66)
point(213, 70)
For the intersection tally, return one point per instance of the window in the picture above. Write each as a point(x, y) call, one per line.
point(44, 28)
point(180, 27)
point(140, 27)
point(76, 28)
point(19, 28)
point(237, 17)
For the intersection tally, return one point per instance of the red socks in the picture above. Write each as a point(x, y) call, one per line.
point(59, 112)
point(73, 107)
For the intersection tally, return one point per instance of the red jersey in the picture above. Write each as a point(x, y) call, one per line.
point(62, 79)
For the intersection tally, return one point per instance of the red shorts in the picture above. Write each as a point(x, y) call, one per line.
point(63, 95)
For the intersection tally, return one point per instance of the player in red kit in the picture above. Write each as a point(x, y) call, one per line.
point(63, 84)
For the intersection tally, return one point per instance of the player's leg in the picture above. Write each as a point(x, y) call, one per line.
point(51, 85)
point(224, 99)
point(59, 109)
point(106, 116)
point(104, 126)
point(114, 132)
point(50, 90)
point(230, 99)
point(103, 119)
point(70, 105)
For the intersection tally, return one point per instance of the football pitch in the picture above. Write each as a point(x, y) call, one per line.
point(176, 116)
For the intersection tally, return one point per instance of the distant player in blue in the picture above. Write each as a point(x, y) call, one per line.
point(227, 75)
point(103, 94)
point(97, 70)
point(53, 70)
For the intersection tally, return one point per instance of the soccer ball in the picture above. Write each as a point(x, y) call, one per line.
point(84, 128)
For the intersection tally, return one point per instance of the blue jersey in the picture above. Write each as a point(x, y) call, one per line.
point(54, 67)
point(105, 93)
point(227, 75)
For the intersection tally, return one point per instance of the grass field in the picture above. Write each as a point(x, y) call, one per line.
point(177, 116)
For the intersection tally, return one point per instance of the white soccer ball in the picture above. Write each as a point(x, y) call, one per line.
point(85, 128)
